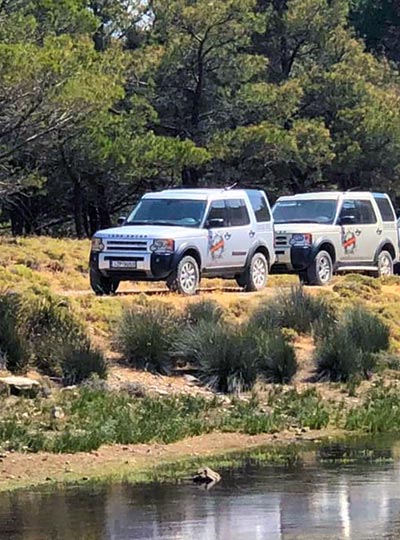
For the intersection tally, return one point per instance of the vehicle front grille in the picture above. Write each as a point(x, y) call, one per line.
point(281, 240)
point(126, 245)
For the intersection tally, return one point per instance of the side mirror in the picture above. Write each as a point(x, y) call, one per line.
point(121, 221)
point(347, 220)
point(215, 223)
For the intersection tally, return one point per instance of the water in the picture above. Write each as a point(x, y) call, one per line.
point(312, 500)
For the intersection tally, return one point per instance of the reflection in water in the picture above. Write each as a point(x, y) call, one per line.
point(313, 501)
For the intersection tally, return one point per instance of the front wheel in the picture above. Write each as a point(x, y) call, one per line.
point(256, 275)
point(186, 277)
point(385, 265)
point(102, 285)
point(320, 271)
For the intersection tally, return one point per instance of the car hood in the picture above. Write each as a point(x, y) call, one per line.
point(304, 228)
point(151, 231)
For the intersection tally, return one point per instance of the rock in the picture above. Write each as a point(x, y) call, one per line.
point(19, 386)
point(207, 477)
point(57, 413)
point(190, 379)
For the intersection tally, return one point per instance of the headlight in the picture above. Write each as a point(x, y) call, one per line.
point(97, 244)
point(163, 246)
point(301, 240)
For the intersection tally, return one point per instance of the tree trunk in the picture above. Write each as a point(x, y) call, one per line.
point(78, 208)
point(102, 208)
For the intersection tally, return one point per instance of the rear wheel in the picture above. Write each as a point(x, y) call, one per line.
point(102, 285)
point(320, 271)
point(256, 275)
point(186, 277)
point(385, 265)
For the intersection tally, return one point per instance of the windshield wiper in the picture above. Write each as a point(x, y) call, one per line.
point(151, 222)
point(299, 221)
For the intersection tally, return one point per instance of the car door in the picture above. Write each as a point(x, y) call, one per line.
point(370, 236)
point(242, 236)
point(219, 252)
point(358, 223)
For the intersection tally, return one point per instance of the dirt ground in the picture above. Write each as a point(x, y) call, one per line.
point(119, 462)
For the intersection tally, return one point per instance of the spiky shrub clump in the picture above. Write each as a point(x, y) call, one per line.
point(146, 336)
point(350, 349)
point(368, 332)
point(295, 309)
point(50, 327)
point(275, 357)
point(82, 362)
point(203, 310)
point(223, 355)
point(14, 348)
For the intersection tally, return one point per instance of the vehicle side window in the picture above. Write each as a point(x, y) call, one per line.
point(238, 214)
point(218, 211)
point(350, 210)
point(259, 205)
point(367, 212)
point(385, 208)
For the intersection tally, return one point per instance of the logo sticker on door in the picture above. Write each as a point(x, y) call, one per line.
point(216, 245)
point(349, 242)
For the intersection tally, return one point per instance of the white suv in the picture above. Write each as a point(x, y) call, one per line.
point(318, 234)
point(179, 235)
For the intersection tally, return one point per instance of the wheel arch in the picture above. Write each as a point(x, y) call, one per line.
point(385, 245)
point(188, 251)
point(326, 245)
point(259, 248)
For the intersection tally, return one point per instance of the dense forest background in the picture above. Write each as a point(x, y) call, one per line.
point(102, 100)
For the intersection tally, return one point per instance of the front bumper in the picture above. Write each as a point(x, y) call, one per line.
point(293, 259)
point(148, 266)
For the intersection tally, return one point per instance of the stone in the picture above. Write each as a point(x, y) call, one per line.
point(57, 413)
point(190, 379)
point(20, 386)
point(206, 477)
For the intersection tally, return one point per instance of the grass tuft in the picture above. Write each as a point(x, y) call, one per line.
point(146, 336)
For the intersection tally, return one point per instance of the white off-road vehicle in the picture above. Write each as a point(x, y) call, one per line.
point(180, 235)
point(318, 234)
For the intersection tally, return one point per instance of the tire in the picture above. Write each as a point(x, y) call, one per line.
point(321, 270)
point(186, 277)
point(255, 276)
point(385, 265)
point(102, 285)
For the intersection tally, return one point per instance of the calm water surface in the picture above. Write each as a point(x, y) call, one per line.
point(312, 500)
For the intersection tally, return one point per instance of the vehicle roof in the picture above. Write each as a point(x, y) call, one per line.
point(196, 193)
point(332, 195)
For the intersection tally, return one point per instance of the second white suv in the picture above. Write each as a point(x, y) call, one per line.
point(317, 234)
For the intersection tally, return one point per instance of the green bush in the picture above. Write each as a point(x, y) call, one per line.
point(50, 326)
point(80, 363)
point(339, 359)
point(350, 348)
point(223, 353)
point(368, 332)
point(203, 310)
point(275, 357)
point(146, 336)
point(14, 348)
point(295, 309)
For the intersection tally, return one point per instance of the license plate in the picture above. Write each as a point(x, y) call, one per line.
point(123, 264)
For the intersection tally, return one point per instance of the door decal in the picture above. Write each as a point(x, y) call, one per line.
point(349, 242)
point(216, 245)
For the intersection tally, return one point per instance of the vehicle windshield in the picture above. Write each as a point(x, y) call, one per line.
point(305, 211)
point(174, 212)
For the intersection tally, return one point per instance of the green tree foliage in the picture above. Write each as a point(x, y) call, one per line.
point(104, 99)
